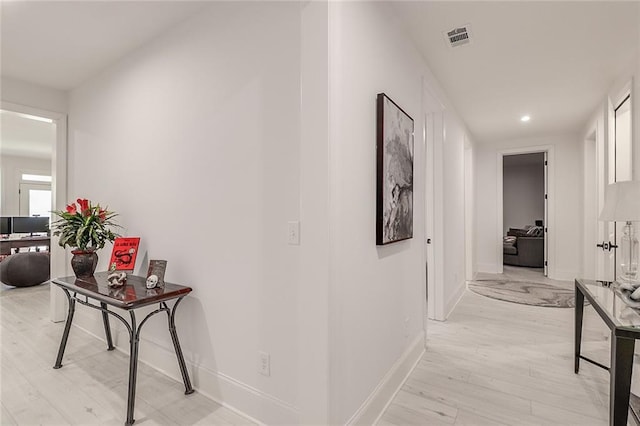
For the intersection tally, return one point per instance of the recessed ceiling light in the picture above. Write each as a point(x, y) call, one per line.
point(525, 118)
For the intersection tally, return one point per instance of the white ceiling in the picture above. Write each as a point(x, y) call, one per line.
point(60, 44)
point(552, 60)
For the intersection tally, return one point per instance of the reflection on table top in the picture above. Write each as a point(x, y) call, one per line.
point(133, 294)
point(614, 303)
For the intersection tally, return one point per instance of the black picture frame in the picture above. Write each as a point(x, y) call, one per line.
point(394, 172)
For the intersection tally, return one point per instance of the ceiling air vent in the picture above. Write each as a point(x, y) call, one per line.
point(458, 36)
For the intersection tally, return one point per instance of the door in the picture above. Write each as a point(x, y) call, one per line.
point(433, 245)
point(596, 264)
point(618, 168)
point(623, 161)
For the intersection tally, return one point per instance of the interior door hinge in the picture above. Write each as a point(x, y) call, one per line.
point(545, 263)
point(545, 162)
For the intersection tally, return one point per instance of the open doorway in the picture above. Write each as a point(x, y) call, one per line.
point(524, 195)
point(39, 168)
point(27, 142)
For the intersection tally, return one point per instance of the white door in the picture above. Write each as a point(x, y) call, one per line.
point(433, 245)
point(35, 199)
point(616, 168)
point(623, 161)
point(597, 264)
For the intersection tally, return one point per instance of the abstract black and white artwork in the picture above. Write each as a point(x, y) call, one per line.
point(394, 197)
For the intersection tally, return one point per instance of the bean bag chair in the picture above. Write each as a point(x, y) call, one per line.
point(25, 269)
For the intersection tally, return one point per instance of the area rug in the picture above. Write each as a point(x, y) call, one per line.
point(526, 293)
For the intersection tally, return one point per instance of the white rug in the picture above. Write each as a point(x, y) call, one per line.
point(526, 293)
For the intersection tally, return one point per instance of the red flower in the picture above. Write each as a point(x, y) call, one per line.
point(71, 208)
point(102, 214)
point(84, 206)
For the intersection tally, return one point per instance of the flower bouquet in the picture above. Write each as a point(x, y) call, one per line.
point(85, 228)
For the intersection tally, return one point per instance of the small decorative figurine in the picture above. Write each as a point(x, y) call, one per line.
point(152, 281)
point(117, 279)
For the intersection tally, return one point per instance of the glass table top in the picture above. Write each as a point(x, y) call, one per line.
point(615, 303)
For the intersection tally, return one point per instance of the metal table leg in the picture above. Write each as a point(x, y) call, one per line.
point(133, 367)
point(579, 311)
point(107, 326)
point(134, 340)
point(620, 383)
point(176, 346)
point(67, 327)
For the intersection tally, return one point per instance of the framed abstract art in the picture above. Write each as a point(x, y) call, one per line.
point(394, 186)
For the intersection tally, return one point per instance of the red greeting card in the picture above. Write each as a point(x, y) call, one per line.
point(124, 253)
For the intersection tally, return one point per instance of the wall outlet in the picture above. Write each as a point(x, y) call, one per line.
point(293, 233)
point(264, 363)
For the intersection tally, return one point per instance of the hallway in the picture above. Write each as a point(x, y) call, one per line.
point(500, 363)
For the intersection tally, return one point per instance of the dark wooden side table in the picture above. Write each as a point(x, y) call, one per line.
point(624, 323)
point(95, 293)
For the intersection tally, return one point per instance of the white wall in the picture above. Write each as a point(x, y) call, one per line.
point(565, 205)
point(313, 290)
point(211, 138)
point(11, 168)
point(194, 141)
point(523, 194)
point(376, 292)
point(453, 209)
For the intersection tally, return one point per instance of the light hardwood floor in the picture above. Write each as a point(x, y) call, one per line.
point(501, 363)
point(491, 363)
point(91, 387)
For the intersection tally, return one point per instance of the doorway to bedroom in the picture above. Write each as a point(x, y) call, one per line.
point(524, 212)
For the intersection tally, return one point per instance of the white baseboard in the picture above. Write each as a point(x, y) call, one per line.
point(233, 394)
point(378, 401)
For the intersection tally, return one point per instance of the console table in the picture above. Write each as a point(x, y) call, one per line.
point(8, 244)
point(95, 293)
point(624, 323)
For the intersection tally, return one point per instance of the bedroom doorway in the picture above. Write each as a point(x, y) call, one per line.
point(524, 183)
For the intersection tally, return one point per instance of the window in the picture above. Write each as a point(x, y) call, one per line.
point(35, 178)
point(40, 202)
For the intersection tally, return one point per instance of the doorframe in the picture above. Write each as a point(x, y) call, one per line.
point(434, 136)
point(550, 226)
point(59, 260)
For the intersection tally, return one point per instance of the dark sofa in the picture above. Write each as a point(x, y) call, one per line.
point(524, 247)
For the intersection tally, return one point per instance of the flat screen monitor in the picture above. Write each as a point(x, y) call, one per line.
point(30, 225)
point(5, 225)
